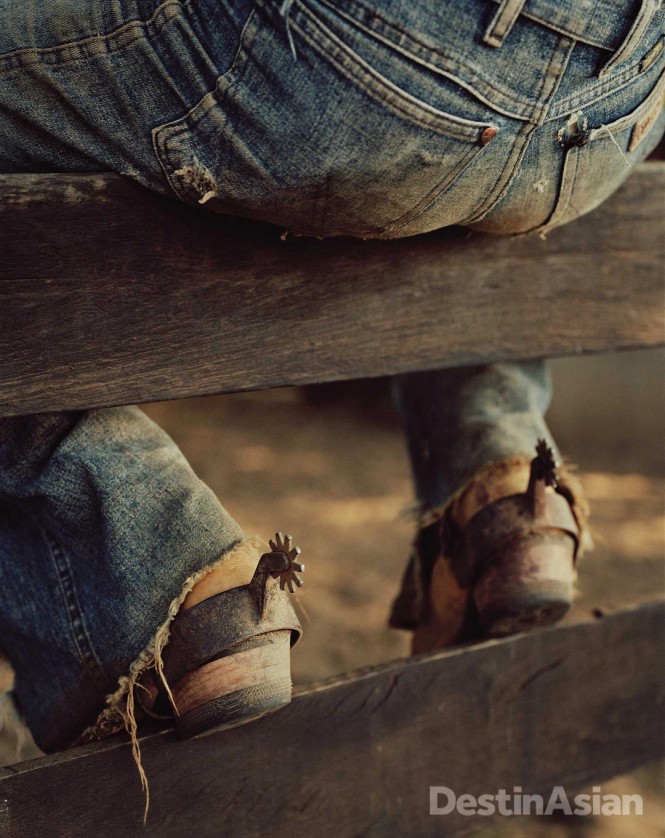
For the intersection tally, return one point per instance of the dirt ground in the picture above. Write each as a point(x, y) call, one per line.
point(328, 465)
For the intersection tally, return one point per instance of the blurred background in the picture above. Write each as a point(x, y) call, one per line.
point(328, 465)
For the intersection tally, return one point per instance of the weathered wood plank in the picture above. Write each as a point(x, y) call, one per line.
point(564, 706)
point(109, 294)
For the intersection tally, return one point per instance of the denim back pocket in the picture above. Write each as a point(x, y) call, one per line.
point(599, 155)
point(347, 138)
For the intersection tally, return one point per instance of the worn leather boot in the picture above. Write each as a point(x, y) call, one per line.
point(227, 659)
point(498, 559)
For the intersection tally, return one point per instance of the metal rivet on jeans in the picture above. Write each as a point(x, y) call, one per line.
point(488, 135)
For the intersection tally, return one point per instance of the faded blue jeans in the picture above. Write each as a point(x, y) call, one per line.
point(371, 118)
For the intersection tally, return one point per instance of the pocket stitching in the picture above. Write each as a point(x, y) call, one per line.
point(634, 116)
point(132, 30)
point(600, 91)
point(454, 66)
point(433, 195)
point(367, 79)
point(603, 132)
point(163, 135)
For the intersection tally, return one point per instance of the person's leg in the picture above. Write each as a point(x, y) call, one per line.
point(101, 505)
point(163, 94)
point(472, 433)
point(457, 420)
point(103, 523)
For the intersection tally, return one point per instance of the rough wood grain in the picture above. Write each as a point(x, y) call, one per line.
point(109, 294)
point(564, 706)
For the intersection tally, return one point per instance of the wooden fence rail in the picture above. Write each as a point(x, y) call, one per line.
point(563, 706)
point(111, 295)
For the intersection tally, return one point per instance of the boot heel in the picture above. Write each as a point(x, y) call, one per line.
point(227, 659)
point(252, 678)
point(530, 582)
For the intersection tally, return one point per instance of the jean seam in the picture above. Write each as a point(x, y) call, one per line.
point(629, 119)
point(366, 79)
point(74, 612)
point(574, 155)
point(431, 198)
point(627, 78)
point(82, 47)
point(417, 51)
point(569, 47)
point(564, 194)
point(164, 134)
point(503, 183)
point(560, 210)
point(632, 40)
point(585, 39)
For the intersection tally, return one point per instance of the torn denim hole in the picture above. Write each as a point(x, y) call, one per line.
point(200, 179)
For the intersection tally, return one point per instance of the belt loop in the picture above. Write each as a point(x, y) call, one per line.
point(634, 36)
point(503, 21)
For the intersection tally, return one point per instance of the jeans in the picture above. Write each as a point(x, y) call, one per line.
point(326, 118)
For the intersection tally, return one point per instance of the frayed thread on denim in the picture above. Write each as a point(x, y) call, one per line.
point(119, 712)
point(200, 179)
